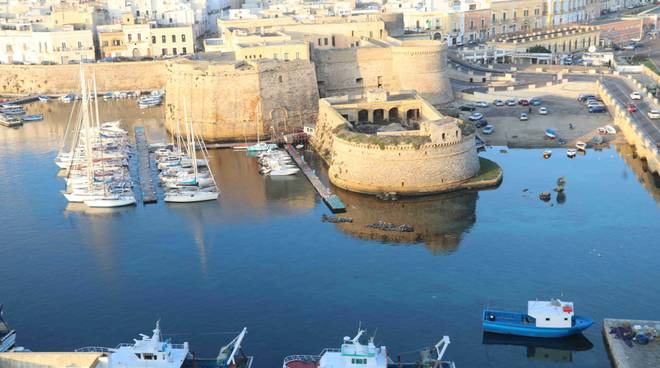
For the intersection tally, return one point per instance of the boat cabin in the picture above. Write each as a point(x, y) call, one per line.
point(149, 352)
point(551, 314)
point(354, 354)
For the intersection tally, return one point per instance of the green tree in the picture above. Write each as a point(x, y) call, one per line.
point(539, 49)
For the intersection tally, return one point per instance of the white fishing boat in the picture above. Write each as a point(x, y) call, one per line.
point(355, 354)
point(7, 335)
point(571, 152)
point(581, 146)
point(610, 129)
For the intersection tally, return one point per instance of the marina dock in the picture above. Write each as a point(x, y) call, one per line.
point(331, 200)
point(144, 167)
point(22, 100)
point(622, 354)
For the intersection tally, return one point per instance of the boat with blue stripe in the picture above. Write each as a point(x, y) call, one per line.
point(546, 319)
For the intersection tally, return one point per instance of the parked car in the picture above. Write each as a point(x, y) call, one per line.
point(584, 96)
point(543, 111)
point(599, 108)
point(524, 116)
point(594, 103)
point(481, 123)
point(654, 114)
point(498, 103)
point(635, 96)
point(523, 102)
point(632, 108)
point(535, 101)
point(511, 102)
point(481, 104)
point(476, 116)
point(488, 130)
point(467, 107)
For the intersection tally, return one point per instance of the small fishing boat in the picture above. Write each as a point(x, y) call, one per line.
point(355, 354)
point(547, 154)
point(7, 335)
point(146, 102)
point(68, 98)
point(35, 117)
point(581, 146)
point(571, 152)
point(108, 96)
point(547, 319)
point(610, 129)
point(550, 133)
point(602, 131)
point(43, 98)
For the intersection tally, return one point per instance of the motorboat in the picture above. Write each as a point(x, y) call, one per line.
point(7, 335)
point(581, 146)
point(353, 353)
point(550, 133)
point(283, 171)
point(68, 98)
point(571, 152)
point(547, 319)
point(261, 146)
point(547, 154)
point(43, 98)
point(149, 101)
point(35, 117)
point(610, 129)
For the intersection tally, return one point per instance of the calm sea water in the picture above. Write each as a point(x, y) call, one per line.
point(261, 257)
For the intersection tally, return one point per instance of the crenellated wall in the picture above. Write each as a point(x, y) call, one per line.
point(240, 101)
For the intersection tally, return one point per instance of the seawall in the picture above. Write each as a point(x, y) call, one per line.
point(646, 147)
point(62, 79)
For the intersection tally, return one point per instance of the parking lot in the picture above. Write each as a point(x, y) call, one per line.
point(563, 110)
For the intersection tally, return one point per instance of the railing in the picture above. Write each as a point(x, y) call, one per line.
point(94, 349)
point(301, 358)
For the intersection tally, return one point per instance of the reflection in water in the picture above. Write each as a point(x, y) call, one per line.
point(640, 168)
point(438, 221)
point(548, 350)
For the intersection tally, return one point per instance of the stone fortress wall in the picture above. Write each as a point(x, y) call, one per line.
point(238, 101)
point(392, 64)
point(62, 79)
point(440, 163)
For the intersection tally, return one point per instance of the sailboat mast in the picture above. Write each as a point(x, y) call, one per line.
point(191, 140)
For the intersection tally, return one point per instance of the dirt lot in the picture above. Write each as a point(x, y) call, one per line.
point(561, 102)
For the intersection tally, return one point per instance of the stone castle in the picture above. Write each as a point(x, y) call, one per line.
point(394, 143)
point(267, 75)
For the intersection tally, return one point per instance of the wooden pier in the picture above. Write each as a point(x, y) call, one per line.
point(331, 200)
point(144, 167)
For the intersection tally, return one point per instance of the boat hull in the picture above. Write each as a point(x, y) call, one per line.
point(8, 341)
point(519, 328)
point(110, 203)
point(197, 196)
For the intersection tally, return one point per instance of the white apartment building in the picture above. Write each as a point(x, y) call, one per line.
point(174, 13)
point(21, 43)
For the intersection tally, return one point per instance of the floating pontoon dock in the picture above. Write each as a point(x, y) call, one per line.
point(144, 167)
point(331, 200)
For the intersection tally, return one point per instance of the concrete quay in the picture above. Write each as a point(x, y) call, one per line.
point(50, 360)
point(638, 356)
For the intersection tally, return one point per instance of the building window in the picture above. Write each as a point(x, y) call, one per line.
point(153, 39)
point(174, 51)
point(183, 38)
point(525, 13)
point(63, 45)
point(183, 51)
point(130, 37)
point(137, 13)
point(163, 52)
point(471, 24)
point(173, 38)
point(297, 55)
point(333, 41)
point(279, 79)
point(319, 41)
point(473, 6)
point(139, 36)
point(325, 41)
point(170, 20)
point(105, 44)
point(286, 56)
point(483, 23)
point(493, 18)
point(163, 38)
point(503, 16)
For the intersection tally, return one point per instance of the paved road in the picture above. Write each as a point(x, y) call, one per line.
point(621, 91)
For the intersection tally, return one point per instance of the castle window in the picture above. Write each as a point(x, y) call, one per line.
point(325, 41)
point(358, 80)
point(319, 41)
point(184, 51)
point(153, 39)
point(183, 38)
point(279, 79)
point(333, 41)
point(443, 136)
point(173, 38)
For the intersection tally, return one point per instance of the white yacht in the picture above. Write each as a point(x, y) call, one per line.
point(354, 354)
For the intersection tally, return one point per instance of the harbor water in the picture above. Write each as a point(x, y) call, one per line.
point(261, 257)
